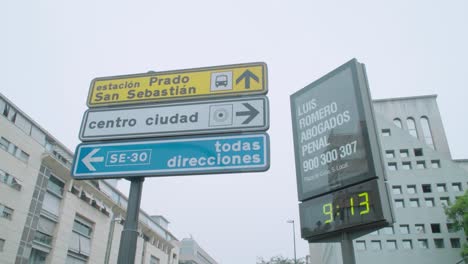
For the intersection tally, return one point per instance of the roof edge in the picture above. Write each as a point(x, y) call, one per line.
point(406, 98)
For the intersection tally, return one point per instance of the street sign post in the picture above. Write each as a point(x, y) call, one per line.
point(183, 156)
point(199, 117)
point(123, 107)
point(219, 81)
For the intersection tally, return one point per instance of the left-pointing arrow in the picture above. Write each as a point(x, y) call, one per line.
point(88, 159)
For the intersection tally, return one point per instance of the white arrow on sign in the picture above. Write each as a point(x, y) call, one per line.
point(88, 159)
point(230, 115)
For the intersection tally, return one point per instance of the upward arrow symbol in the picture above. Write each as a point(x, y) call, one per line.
point(247, 75)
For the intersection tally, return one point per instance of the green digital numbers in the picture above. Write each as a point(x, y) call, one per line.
point(364, 203)
point(363, 208)
point(327, 209)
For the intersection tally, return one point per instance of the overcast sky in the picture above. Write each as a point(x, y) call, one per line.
point(51, 50)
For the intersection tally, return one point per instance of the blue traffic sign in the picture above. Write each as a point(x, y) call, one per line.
point(165, 157)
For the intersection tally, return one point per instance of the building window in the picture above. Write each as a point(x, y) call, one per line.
point(420, 164)
point(55, 186)
point(6, 212)
point(411, 127)
point(455, 242)
point(406, 165)
point(4, 143)
point(80, 241)
point(411, 189)
point(422, 243)
point(37, 256)
point(396, 189)
point(407, 244)
point(435, 228)
point(435, 164)
point(376, 245)
point(439, 243)
point(444, 201)
point(23, 156)
point(404, 229)
point(361, 245)
point(73, 259)
point(404, 153)
point(154, 260)
point(426, 188)
point(419, 228)
point(391, 244)
point(441, 187)
point(429, 202)
point(399, 203)
point(451, 228)
point(457, 187)
point(45, 231)
point(392, 166)
point(387, 230)
point(51, 203)
point(2, 244)
point(426, 129)
point(397, 122)
point(418, 152)
point(414, 202)
point(386, 132)
point(9, 180)
point(13, 149)
point(390, 154)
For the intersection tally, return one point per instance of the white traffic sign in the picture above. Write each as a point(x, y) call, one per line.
point(188, 118)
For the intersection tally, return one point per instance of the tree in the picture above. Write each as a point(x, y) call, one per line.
point(458, 214)
point(280, 260)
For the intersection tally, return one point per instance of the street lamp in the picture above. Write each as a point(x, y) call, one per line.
point(294, 239)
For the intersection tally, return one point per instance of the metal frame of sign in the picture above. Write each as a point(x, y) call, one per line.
point(372, 147)
point(222, 93)
point(183, 130)
point(265, 165)
point(333, 234)
point(362, 97)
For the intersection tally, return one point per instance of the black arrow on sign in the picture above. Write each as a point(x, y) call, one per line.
point(252, 113)
point(247, 75)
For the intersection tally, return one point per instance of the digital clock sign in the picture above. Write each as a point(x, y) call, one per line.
point(339, 167)
point(333, 130)
point(352, 207)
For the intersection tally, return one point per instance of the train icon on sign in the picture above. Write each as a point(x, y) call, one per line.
point(221, 81)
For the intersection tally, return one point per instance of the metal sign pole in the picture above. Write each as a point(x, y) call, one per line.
point(128, 239)
point(347, 249)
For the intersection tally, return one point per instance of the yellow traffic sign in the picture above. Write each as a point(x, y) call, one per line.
point(219, 81)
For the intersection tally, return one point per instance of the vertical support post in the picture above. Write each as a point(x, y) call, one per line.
point(294, 237)
point(347, 249)
point(128, 239)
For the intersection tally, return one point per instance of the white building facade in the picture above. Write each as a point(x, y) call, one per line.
point(423, 178)
point(192, 253)
point(47, 217)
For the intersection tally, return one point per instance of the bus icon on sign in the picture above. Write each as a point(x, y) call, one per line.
point(221, 81)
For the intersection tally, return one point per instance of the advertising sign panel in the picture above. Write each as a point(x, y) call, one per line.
point(334, 138)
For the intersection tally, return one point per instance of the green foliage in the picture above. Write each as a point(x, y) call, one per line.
point(458, 214)
point(280, 260)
